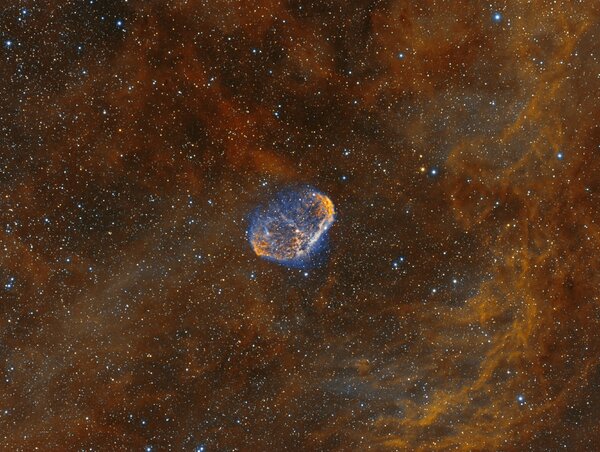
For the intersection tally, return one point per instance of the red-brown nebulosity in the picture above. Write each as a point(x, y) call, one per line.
point(459, 309)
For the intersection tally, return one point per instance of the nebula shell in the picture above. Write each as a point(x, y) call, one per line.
point(292, 228)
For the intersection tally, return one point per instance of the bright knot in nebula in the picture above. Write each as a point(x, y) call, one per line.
point(291, 229)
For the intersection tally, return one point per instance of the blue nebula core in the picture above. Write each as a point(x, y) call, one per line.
point(292, 228)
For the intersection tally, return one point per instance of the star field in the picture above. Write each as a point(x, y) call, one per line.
point(458, 306)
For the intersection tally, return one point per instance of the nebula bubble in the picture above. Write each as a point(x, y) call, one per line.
point(291, 229)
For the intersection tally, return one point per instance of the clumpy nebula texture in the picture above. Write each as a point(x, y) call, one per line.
point(292, 228)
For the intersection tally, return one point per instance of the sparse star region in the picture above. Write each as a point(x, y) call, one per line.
point(291, 229)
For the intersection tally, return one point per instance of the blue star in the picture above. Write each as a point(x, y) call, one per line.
point(10, 284)
point(119, 23)
point(23, 14)
point(8, 44)
point(396, 263)
point(497, 17)
point(560, 155)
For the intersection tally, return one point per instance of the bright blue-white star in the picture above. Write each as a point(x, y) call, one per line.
point(397, 263)
point(497, 17)
point(10, 284)
point(23, 14)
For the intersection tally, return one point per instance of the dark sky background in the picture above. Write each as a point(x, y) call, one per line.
point(459, 308)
